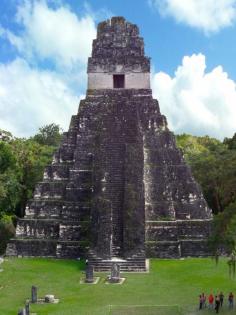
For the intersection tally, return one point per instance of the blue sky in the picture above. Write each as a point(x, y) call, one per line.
point(45, 45)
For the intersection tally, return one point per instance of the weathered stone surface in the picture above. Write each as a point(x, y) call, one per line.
point(34, 294)
point(115, 273)
point(27, 309)
point(117, 185)
point(179, 238)
point(49, 298)
point(89, 276)
point(22, 312)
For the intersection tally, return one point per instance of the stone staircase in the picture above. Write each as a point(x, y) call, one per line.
point(136, 263)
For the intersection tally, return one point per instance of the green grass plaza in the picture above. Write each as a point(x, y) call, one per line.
point(170, 287)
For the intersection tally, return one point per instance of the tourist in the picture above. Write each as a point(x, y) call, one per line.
point(200, 302)
point(217, 303)
point(203, 300)
point(231, 300)
point(211, 300)
point(221, 298)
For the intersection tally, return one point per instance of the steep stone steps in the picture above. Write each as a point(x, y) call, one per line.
point(133, 265)
point(136, 263)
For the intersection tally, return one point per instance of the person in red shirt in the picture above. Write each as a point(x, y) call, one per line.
point(211, 301)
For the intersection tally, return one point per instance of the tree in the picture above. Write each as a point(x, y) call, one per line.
point(231, 142)
point(32, 158)
point(9, 185)
point(214, 167)
point(7, 158)
point(22, 162)
point(50, 135)
point(5, 135)
point(7, 230)
point(223, 237)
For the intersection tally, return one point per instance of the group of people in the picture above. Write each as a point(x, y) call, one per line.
point(215, 302)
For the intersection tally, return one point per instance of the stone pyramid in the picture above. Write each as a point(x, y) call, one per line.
point(118, 188)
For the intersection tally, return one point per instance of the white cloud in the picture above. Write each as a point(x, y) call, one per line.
point(207, 15)
point(57, 33)
point(196, 101)
point(31, 98)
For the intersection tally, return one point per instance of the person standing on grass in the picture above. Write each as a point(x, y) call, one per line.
point(203, 300)
point(221, 298)
point(231, 300)
point(217, 303)
point(211, 300)
point(200, 302)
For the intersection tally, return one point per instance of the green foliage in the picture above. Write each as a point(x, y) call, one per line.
point(49, 135)
point(10, 196)
point(232, 264)
point(231, 142)
point(7, 158)
point(7, 230)
point(5, 135)
point(9, 185)
point(22, 162)
point(31, 161)
point(213, 164)
point(223, 234)
point(223, 238)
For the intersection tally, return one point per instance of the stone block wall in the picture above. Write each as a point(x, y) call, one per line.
point(180, 238)
point(133, 80)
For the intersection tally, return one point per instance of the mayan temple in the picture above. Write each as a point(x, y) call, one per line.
point(118, 189)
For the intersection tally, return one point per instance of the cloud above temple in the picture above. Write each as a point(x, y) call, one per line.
point(45, 80)
point(56, 34)
point(196, 101)
point(31, 98)
point(207, 15)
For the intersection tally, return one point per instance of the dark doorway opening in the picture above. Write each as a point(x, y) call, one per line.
point(118, 81)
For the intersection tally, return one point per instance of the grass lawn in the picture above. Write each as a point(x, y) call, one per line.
point(176, 283)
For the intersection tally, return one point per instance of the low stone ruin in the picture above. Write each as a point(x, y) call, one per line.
point(25, 310)
point(49, 298)
point(89, 274)
point(115, 274)
point(34, 294)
